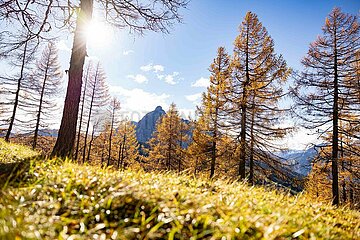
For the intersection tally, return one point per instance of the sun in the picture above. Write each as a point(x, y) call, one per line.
point(98, 34)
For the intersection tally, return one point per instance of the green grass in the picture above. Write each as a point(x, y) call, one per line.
point(62, 200)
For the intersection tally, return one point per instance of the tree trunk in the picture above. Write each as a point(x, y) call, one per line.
point(242, 172)
point(40, 106)
point(90, 144)
point(251, 157)
point(89, 119)
point(81, 116)
point(67, 132)
point(17, 94)
point(335, 136)
point(110, 137)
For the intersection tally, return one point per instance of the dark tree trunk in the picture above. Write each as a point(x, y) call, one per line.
point(17, 94)
point(251, 157)
point(67, 132)
point(242, 172)
point(40, 108)
point(335, 136)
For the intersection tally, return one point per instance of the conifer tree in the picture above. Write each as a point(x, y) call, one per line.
point(46, 86)
point(166, 146)
point(207, 132)
point(128, 153)
point(86, 77)
point(256, 90)
point(98, 97)
point(22, 59)
point(324, 94)
point(113, 110)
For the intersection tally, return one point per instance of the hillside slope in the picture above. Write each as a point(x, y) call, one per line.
point(54, 200)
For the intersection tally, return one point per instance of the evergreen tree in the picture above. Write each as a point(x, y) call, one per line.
point(46, 86)
point(128, 153)
point(256, 90)
point(167, 145)
point(324, 93)
point(86, 77)
point(113, 110)
point(207, 131)
point(98, 98)
point(16, 86)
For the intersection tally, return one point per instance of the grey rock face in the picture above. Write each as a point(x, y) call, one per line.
point(146, 126)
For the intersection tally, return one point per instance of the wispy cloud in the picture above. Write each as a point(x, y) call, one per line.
point(201, 82)
point(194, 97)
point(152, 67)
point(127, 52)
point(135, 103)
point(139, 78)
point(170, 78)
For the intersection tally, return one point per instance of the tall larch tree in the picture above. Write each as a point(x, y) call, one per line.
point(21, 60)
point(113, 113)
point(45, 83)
point(166, 145)
point(212, 112)
point(97, 96)
point(323, 96)
point(256, 90)
point(83, 102)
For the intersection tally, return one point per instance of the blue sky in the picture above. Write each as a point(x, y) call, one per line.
point(157, 69)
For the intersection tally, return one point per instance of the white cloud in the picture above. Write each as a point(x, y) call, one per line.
point(194, 97)
point(170, 78)
point(127, 52)
point(139, 78)
point(135, 103)
point(201, 82)
point(151, 67)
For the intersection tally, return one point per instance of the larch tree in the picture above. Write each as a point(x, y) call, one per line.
point(113, 112)
point(86, 76)
point(166, 145)
point(14, 85)
point(97, 96)
point(45, 84)
point(128, 146)
point(256, 91)
point(212, 112)
point(324, 94)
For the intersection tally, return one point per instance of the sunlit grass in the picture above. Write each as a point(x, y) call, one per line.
point(67, 201)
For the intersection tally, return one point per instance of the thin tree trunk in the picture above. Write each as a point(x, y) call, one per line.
point(81, 117)
point(251, 157)
point(89, 119)
point(67, 132)
point(17, 94)
point(123, 149)
point(90, 144)
point(110, 137)
point(40, 105)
